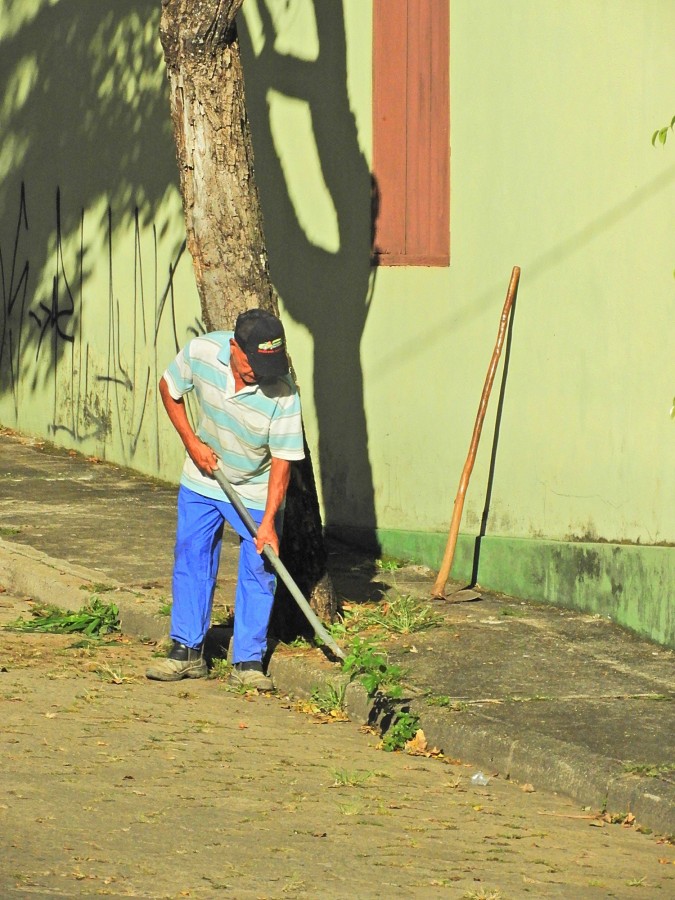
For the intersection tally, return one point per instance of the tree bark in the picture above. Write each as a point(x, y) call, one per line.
point(225, 237)
point(215, 158)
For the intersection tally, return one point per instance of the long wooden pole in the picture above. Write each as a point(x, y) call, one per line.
point(438, 590)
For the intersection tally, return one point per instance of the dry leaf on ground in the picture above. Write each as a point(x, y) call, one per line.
point(418, 746)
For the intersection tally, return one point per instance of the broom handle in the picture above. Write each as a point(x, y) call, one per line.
point(444, 572)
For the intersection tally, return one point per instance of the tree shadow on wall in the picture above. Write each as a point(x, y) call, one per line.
point(86, 126)
point(327, 292)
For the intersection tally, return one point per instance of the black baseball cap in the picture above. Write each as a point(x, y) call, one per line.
point(261, 336)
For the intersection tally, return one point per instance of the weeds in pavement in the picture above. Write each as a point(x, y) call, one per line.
point(87, 643)
point(349, 622)
point(329, 698)
point(352, 809)
point(651, 771)
point(343, 778)
point(99, 587)
point(327, 703)
point(220, 669)
point(93, 619)
point(221, 614)
point(294, 884)
point(402, 729)
point(481, 894)
point(404, 614)
point(389, 564)
point(299, 643)
point(161, 648)
point(114, 676)
point(448, 703)
point(401, 614)
point(366, 663)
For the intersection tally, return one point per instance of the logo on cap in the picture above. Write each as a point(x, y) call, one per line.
point(271, 346)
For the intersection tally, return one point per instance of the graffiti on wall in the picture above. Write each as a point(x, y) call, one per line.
point(14, 286)
point(91, 360)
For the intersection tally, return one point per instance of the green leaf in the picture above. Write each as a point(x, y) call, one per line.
point(93, 619)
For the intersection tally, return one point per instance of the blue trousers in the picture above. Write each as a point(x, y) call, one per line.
point(199, 535)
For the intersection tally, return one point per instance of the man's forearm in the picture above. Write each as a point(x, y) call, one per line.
point(201, 454)
point(280, 476)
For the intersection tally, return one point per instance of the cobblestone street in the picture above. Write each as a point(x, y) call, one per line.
point(112, 785)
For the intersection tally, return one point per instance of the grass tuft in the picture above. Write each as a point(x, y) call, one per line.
point(329, 698)
point(404, 614)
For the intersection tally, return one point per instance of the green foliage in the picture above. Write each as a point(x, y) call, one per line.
point(446, 702)
point(665, 770)
point(366, 663)
point(220, 669)
point(337, 629)
point(301, 643)
point(345, 778)
point(402, 729)
point(94, 619)
point(402, 615)
point(329, 698)
point(388, 564)
point(351, 621)
point(661, 134)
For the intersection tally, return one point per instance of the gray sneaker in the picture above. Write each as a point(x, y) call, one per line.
point(182, 662)
point(250, 675)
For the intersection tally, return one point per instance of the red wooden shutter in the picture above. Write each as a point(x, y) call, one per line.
point(411, 149)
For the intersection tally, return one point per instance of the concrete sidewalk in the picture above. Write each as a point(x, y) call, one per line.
point(566, 702)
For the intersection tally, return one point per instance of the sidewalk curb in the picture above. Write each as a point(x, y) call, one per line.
point(552, 765)
point(31, 573)
point(547, 763)
point(531, 758)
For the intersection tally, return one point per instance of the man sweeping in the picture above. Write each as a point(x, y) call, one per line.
point(249, 422)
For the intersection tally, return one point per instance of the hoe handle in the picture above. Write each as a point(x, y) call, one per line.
point(277, 564)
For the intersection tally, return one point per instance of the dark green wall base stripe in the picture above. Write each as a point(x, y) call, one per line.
point(631, 584)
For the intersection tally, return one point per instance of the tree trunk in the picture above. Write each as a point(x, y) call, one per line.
point(226, 240)
point(215, 158)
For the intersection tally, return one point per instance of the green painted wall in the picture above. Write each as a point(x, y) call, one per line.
point(630, 584)
point(553, 103)
point(553, 106)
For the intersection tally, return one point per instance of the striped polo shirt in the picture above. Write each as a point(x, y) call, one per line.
point(245, 428)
